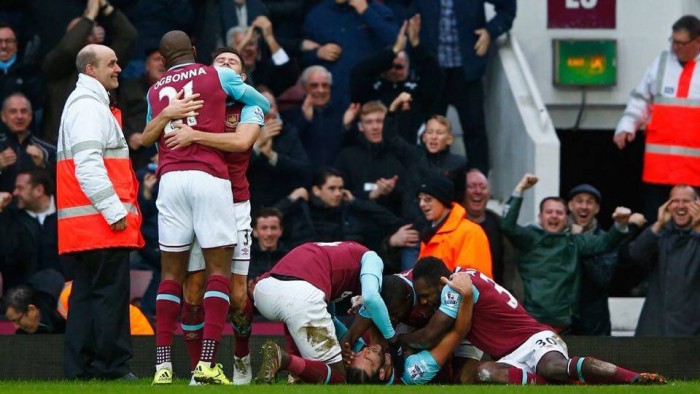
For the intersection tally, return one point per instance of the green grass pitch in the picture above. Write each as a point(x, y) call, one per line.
point(143, 386)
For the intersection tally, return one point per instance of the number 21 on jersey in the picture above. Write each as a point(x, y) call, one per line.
point(170, 92)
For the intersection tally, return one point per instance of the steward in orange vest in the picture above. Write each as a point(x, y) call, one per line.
point(667, 101)
point(454, 239)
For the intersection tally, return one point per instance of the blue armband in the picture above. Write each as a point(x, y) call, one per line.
point(420, 368)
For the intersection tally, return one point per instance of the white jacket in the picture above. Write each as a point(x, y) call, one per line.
point(87, 129)
point(660, 83)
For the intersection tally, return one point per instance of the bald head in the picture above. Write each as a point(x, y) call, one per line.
point(100, 62)
point(89, 55)
point(176, 47)
point(685, 188)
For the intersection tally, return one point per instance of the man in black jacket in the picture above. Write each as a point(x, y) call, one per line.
point(267, 248)
point(371, 170)
point(16, 253)
point(34, 192)
point(389, 72)
point(32, 307)
point(20, 149)
point(669, 250)
point(279, 163)
point(269, 65)
point(331, 213)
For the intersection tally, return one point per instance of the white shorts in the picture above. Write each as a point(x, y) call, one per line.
point(465, 349)
point(528, 355)
point(241, 254)
point(194, 203)
point(302, 308)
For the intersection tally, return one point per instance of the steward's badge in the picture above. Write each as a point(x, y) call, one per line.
point(231, 122)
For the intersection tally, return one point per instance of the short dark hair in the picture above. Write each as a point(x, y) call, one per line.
point(430, 269)
point(19, 298)
point(358, 376)
point(266, 212)
point(393, 289)
point(323, 174)
point(553, 198)
point(395, 293)
point(5, 25)
point(219, 51)
point(40, 176)
point(689, 23)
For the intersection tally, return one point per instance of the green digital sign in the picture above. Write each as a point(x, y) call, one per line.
point(585, 62)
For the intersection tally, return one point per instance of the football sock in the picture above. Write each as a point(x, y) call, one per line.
point(216, 304)
point(593, 371)
point(192, 328)
point(168, 303)
point(289, 346)
point(241, 323)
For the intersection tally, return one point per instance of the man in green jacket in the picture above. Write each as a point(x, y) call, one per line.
point(550, 254)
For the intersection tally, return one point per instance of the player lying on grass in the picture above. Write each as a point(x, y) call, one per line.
point(407, 314)
point(371, 365)
point(527, 352)
point(362, 365)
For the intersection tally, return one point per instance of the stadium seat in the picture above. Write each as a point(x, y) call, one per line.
point(624, 315)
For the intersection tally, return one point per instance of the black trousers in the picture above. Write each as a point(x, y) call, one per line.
point(468, 99)
point(98, 338)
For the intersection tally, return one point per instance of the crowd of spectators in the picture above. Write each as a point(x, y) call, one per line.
point(355, 147)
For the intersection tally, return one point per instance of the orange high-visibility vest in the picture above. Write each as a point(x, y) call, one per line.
point(459, 242)
point(81, 226)
point(672, 151)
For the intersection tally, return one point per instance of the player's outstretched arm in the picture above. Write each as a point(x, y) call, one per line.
point(240, 141)
point(371, 282)
point(234, 86)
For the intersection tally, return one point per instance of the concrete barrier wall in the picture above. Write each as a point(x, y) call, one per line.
point(521, 136)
